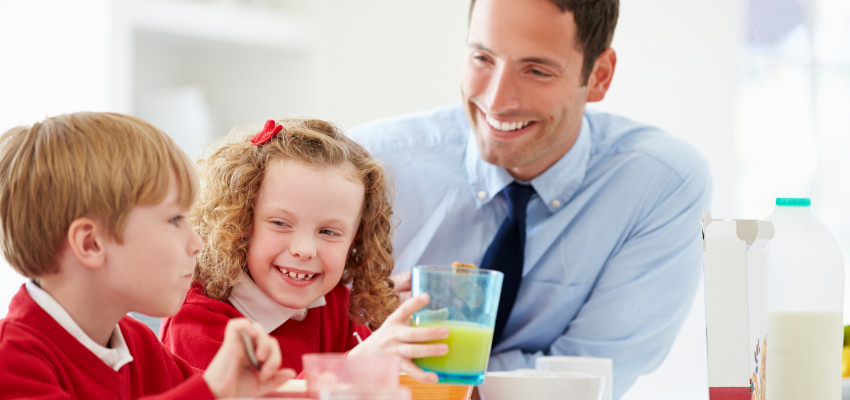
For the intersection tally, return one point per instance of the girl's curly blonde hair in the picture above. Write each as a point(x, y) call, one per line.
point(223, 216)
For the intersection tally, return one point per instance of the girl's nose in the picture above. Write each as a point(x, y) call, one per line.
point(303, 247)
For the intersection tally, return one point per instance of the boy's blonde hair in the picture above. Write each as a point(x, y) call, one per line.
point(86, 164)
point(231, 178)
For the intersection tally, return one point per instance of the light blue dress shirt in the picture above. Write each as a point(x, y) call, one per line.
point(613, 250)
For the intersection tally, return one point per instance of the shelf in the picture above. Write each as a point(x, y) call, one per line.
point(224, 22)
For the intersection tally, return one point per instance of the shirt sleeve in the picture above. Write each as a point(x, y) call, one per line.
point(644, 293)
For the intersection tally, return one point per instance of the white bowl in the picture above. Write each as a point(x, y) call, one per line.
point(531, 384)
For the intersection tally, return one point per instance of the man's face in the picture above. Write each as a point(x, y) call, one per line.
point(522, 85)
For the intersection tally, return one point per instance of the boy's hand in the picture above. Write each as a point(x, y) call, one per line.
point(397, 337)
point(230, 373)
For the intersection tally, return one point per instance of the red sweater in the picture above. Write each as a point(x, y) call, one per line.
point(40, 359)
point(197, 330)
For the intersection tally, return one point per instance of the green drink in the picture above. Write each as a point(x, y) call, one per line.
point(465, 300)
point(469, 351)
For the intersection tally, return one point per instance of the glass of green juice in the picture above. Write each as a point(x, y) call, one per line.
point(465, 300)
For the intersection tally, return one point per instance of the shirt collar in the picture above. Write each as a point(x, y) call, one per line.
point(555, 186)
point(116, 355)
point(255, 305)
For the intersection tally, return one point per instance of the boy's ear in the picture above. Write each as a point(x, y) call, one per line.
point(601, 75)
point(86, 238)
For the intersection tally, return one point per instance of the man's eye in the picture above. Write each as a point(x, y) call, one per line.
point(480, 58)
point(543, 74)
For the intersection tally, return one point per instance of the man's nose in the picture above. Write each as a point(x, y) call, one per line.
point(502, 93)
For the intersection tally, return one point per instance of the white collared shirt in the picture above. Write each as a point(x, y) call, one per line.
point(255, 305)
point(116, 355)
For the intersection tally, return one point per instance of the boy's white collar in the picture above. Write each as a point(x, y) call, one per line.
point(255, 305)
point(116, 356)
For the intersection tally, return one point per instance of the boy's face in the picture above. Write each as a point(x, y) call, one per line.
point(152, 269)
point(305, 219)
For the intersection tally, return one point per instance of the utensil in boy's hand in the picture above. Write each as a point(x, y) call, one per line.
point(249, 350)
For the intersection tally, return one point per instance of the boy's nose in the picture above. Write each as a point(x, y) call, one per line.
point(195, 244)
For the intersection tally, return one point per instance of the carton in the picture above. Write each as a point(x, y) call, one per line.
point(736, 306)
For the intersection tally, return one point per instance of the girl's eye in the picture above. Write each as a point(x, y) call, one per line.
point(175, 220)
point(329, 232)
point(280, 223)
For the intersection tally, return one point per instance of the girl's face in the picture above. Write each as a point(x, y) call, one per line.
point(305, 219)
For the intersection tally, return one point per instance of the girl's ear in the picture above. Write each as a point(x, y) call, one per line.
point(86, 238)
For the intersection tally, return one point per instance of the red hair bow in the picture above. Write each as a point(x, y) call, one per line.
point(268, 132)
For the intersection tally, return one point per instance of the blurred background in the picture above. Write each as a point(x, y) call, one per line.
point(760, 87)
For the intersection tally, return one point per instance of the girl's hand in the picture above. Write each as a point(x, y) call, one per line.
point(397, 337)
point(230, 373)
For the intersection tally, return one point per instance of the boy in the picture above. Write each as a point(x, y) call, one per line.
point(93, 209)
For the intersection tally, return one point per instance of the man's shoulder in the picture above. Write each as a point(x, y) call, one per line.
point(617, 135)
point(418, 130)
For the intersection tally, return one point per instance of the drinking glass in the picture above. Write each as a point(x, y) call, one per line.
point(465, 300)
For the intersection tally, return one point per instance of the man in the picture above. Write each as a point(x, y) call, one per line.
point(612, 245)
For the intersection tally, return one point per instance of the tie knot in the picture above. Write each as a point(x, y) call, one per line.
point(517, 195)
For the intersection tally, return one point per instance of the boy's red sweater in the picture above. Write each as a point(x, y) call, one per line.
point(40, 359)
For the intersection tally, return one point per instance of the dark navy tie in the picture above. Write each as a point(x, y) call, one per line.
point(507, 250)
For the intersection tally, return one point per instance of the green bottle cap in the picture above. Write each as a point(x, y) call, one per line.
point(793, 201)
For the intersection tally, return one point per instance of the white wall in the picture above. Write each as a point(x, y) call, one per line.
point(46, 71)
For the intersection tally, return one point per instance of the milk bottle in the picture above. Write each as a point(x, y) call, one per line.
point(805, 306)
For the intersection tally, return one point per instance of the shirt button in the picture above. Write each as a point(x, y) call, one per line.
point(482, 195)
point(556, 204)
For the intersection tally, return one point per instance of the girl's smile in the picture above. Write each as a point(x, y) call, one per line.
point(299, 277)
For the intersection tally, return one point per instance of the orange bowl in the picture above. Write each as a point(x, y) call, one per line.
point(434, 391)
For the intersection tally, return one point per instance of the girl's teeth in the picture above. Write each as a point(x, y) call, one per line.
point(296, 276)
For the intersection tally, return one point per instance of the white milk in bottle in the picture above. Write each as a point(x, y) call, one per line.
point(805, 306)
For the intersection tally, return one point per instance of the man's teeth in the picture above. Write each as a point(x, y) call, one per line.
point(297, 277)
point(506, 126)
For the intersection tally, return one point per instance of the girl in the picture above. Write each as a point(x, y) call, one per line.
point(289, 217)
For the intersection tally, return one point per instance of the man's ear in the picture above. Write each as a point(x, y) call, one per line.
point(86, 239)
point(601, 76)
